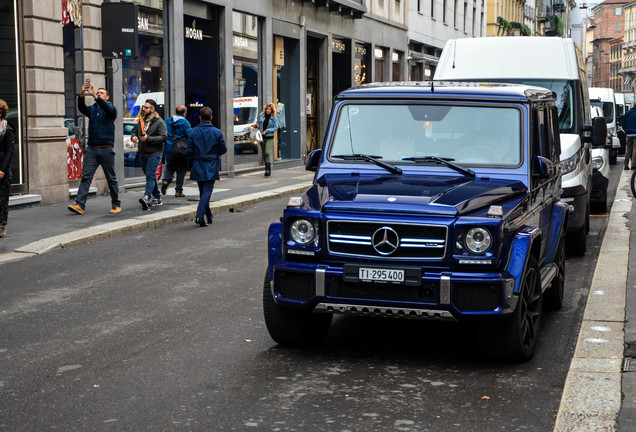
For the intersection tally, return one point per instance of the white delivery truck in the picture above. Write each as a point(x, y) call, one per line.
point(604, 98)
point(553, 63)
point(245, 115)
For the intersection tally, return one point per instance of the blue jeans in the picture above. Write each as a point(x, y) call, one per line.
point(180, 166)
point(149, 166)
point(93, 158)
point(205, 192)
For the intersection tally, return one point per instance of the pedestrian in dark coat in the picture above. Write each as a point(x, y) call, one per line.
point(629, 125)
point(99, 151)
point(205, 147)
point(6, 154)
point(178, 128)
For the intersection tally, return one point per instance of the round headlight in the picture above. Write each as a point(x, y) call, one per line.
point(302, 231)
point(478, 240)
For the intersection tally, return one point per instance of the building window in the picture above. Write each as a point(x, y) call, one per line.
point(618, 11)
point(617, 26)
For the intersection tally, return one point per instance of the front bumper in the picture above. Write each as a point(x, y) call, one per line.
point(455, 296)
point(575, 199)
point(599, 186)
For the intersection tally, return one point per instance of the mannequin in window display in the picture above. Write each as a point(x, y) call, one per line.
point(268, 124)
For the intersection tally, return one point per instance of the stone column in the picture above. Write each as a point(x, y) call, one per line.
point(43, 92)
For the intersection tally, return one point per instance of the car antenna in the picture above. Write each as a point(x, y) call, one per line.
point(454, 52)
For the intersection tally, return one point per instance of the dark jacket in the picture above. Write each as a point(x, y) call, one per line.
point(181, 131)
point(157, 135)
point(272, 125)
point(6, 149)
point(205, 147)
point(629, 122)
point(101, 127)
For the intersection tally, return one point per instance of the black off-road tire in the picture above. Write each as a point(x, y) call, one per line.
point(290, 327)
point(553, 296)
point(515, 339)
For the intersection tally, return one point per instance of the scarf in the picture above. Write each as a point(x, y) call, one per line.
point(3, 127)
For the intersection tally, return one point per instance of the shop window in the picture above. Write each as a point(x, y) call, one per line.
point(246, 104)
point(9, 88)
point(380, 61)
point(142, 79)
point(362, 53)
point(73, 80)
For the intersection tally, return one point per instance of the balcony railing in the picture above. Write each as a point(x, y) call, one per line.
point(346, 8)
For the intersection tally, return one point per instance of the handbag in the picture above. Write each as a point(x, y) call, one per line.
point(256, 136)
point(179, 147)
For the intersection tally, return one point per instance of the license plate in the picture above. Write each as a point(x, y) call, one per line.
point(380, 275)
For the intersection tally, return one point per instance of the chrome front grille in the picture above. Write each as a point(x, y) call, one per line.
point(403, 241)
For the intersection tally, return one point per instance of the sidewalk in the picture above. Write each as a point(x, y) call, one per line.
point(599, 392)
point(37, 230)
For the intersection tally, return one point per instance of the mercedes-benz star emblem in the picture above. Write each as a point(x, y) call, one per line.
point(385, 241)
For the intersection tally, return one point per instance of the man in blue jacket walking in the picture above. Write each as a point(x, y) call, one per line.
point(629, 126)
point(205, 147)
point(100, 151)
point(178, 128)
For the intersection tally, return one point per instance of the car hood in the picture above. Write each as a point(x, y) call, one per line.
point(441, 195)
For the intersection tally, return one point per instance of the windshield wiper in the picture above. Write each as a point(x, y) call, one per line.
point(370, 158)
point(442, 161)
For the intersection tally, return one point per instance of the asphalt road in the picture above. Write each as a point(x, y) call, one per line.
point(163, 330)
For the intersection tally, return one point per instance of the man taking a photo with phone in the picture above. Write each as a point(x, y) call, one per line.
point(99, 151)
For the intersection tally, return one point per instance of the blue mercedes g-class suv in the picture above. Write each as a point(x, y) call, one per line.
point(428, 202)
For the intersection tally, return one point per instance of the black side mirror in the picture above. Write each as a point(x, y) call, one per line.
point(542, 167)
point(313, 160)
point(599, 131)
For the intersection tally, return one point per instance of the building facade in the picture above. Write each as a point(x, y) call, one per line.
point(610, 26)
point(628, 63)
point(431, 23)
point(296, 53)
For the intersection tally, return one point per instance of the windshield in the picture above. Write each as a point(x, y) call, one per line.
point(245, 115)
point(607, 108)
point(129, 128)
point(467, 135)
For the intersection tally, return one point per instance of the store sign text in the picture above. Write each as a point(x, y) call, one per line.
point(338, 46)
point(192, 33)
point(142, 23)
point(240, 42)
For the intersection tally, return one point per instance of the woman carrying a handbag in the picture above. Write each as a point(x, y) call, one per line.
point(268, 124)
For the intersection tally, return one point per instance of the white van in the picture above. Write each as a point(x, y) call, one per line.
point(604, 98)
point(600, 171)
point(245, 115)
point(143, 97)
point(553, 63)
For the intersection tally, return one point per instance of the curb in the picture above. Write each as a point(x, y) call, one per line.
point(146, 222)
point(591, 398)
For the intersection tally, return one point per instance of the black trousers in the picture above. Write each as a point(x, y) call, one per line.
point(5, 185)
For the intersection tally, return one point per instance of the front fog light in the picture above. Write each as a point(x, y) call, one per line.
point(302, 231)
point(478, 240)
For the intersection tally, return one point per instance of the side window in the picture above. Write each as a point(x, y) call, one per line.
point(554, 136)
point(540, 146)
